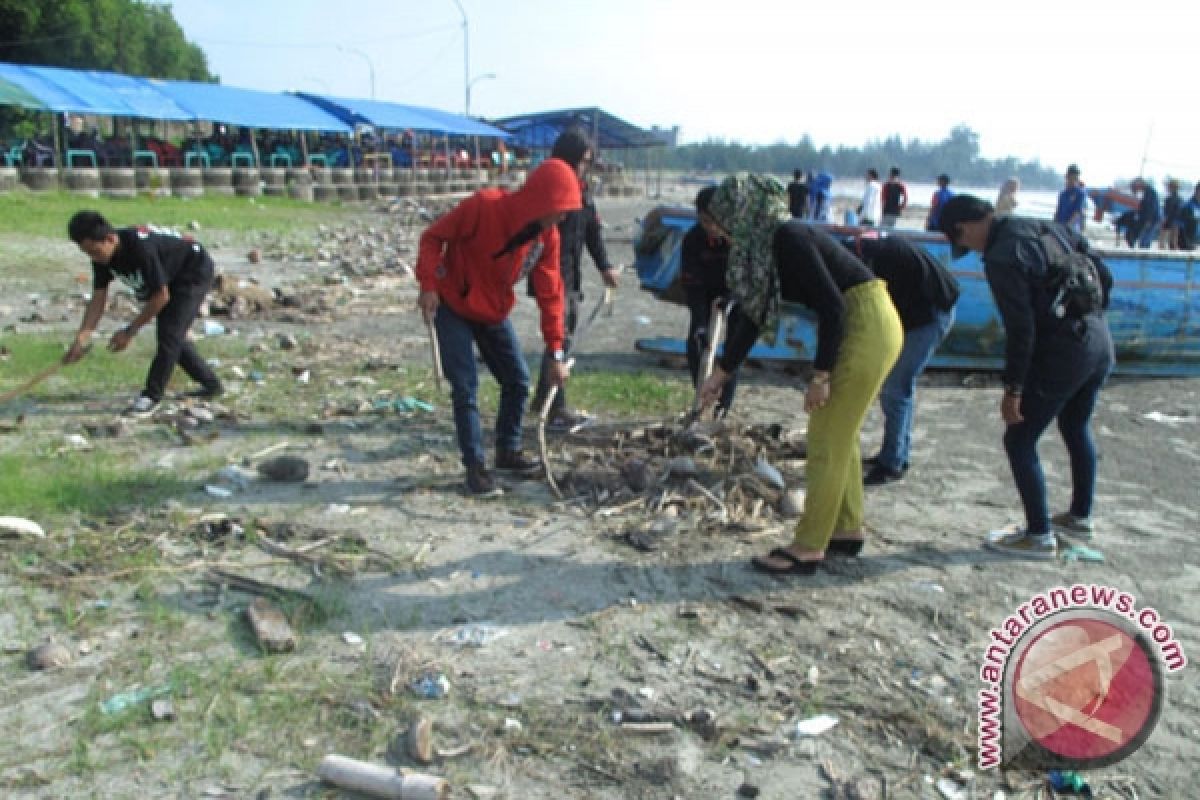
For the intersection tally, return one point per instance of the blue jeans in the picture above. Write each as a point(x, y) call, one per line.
point(1063, 384)
point(501, 353)
point(896, 396)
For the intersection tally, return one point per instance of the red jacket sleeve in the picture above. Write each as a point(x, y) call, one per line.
point(548, 289)
point(458, 223)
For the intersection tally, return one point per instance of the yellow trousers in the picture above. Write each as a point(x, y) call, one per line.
point(870, 345)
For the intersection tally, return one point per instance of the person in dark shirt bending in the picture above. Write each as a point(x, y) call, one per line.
point(772, 259)
point(704, 257)
point(169, 274)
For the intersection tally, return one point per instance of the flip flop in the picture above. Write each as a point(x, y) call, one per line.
point(795, 566)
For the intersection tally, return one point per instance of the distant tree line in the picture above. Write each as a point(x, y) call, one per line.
point(957, 155)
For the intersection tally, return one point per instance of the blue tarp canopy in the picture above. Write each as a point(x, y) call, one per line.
point(396, 116)
point(538, 131)
point(248, 108)
point(90, 92)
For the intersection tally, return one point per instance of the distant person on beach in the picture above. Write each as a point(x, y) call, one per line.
point(772, 259)
point(924, 293)
point(704, 257)
point(1172, 204)
point(1006, 200)
point(894, 195)
point(798, 195)
point(170, 275)
point(1189, 221)
point(1072, 201)
point(578, 229)
point(820, 192)
point(1149, 214)
point(468, 262)
point(870, 210)
point(1056, 361)
point(940, 196)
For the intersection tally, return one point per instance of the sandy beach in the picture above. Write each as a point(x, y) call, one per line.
point(554, 635)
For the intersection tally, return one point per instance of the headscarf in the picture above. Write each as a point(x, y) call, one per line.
point(750, 208)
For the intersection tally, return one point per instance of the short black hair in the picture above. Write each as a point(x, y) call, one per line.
point(959, 209)
point(88, 225)
point(798, 174)
point(704, 197)
point(894, 172)
point(873, 174)
point(571, 146)
point(943, 178)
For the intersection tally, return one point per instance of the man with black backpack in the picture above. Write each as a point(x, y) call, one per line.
point(1051, 294)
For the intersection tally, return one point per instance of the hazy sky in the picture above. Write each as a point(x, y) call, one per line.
point(1057, 80)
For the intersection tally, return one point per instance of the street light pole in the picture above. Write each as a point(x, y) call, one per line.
point(466, 60)
point(484, 77)
point(364, 57)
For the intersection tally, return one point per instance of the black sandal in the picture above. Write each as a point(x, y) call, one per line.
point(795, 565)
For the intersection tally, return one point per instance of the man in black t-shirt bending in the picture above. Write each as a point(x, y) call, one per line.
point(169, 274)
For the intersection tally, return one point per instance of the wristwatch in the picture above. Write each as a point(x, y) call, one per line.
point(559, 356)
point(1012, 389)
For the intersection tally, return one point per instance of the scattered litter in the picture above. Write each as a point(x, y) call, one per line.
point(304, 376)
point(234, 477)
point(162, 709)
point(476, 634)
point(78, 441)
point(764, 470)
point(642, 320)
point(930, 586)
point(511, 724)
point(270, 627)
point(19, 526)
point(408, 404)
point(133, 697)
point(431, 685)
point(1078, 552)
point(213, 328)
point(49, 655)
point(1068, 781)
point(353, 639)
point(951, 790)
point(646, 693)
point(1166, 419)
point(257, 377)
point(420, 739)
point(218, 491)
point(748, 790)
point(815, 726)
point(337, 508)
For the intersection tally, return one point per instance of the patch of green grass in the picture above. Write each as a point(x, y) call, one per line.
point(46, 213)
point(641, 394)
point(47, 485)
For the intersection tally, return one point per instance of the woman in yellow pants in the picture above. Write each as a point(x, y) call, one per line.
point(774, 258)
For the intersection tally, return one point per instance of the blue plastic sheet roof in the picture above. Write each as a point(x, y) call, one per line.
point(397, 116)
point(539, 130)
point(248, 107)
point(107, 93)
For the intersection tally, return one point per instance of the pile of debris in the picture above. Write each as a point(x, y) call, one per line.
point(718, 476)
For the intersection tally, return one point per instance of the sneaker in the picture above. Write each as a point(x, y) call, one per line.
point(1074, 527)
point(206, 392)
point(1020, 544)
point(880, 475)
point(481, 483)
point(564, 420)
point(516, 461)
point(142, 407)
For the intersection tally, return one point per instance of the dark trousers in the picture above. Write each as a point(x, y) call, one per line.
point(171, 328)
point(700, 301)
point(501, 353)
point(1062, 385)
point(571, 304)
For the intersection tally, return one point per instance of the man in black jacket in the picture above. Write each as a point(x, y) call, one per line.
point(578, 228)
point(169, 274)
point(703, 259)
point(924, 293)
point(1055, 364)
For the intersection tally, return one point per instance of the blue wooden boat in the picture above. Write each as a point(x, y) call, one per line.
point(1154, 314)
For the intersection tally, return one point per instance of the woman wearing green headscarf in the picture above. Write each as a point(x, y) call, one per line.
point(774, 258)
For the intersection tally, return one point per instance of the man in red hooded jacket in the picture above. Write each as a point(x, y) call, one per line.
point(467, 264)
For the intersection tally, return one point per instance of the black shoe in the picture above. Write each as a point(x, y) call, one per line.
point(880, 475)
point(480, 482)
point(516, 461)
point(206, 392)
point(564, 420)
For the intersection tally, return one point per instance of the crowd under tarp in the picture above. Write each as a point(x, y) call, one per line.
point(93, 92)
point(538, 131)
